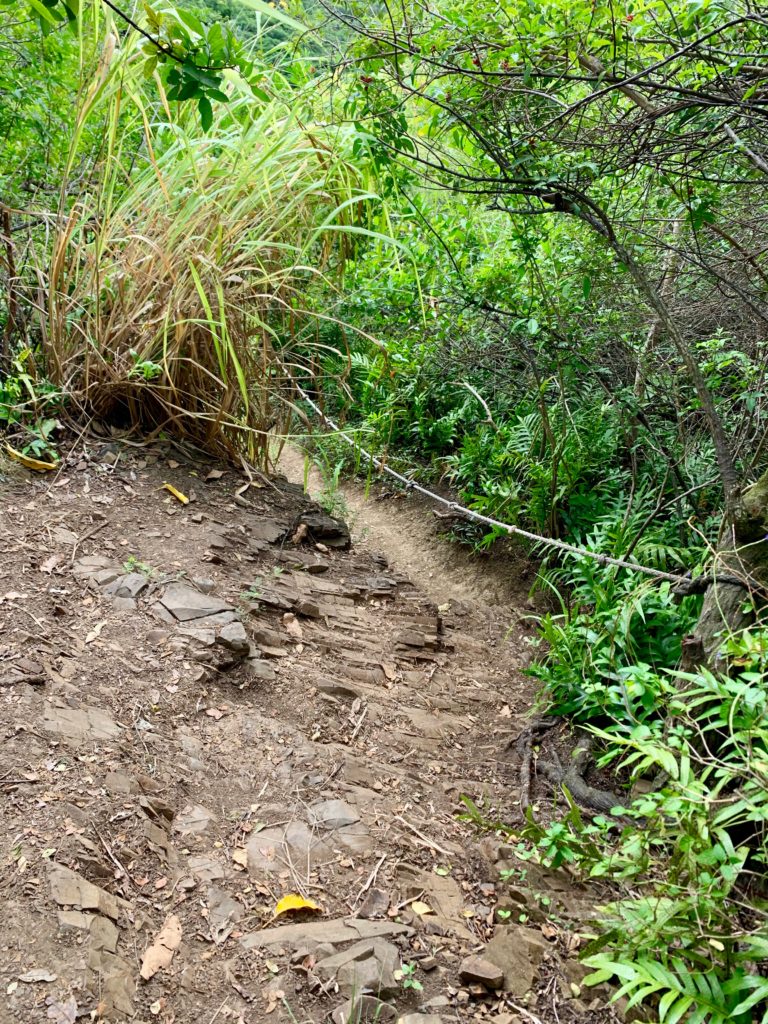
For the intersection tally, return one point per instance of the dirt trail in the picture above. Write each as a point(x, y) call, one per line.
point(210, 707)
point(405, 529)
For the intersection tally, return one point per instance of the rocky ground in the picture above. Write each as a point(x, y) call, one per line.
point(234, 747)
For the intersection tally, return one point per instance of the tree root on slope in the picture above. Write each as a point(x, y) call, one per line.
point(572, 777)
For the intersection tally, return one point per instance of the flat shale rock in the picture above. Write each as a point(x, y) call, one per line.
point(76, 725)
point(478, 970)
point(185, 603)
point(128, 586)
point(518, 953)
point(367, 966)
point(193, 820)
point(335, 931)
point(332, 532)
point(331, 814)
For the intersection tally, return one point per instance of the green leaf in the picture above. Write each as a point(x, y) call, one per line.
point(273, 12)
point(206, 112)
point(190, 21)
point(51, 17)
point(760, 993)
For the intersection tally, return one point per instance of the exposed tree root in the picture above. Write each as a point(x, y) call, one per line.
point(524, 746)
point(552, 769)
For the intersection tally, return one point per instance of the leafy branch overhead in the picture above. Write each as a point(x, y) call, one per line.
point(192, 57)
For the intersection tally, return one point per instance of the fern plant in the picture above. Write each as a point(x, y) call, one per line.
point(683, 993)
point(685, 936)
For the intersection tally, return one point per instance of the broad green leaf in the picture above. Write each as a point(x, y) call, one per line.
point(271, 11)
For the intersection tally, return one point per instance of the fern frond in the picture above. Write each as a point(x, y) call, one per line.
point(682, 992)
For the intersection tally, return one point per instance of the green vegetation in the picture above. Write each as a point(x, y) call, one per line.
point(519, 249)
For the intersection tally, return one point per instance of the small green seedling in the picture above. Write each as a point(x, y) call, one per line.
point(132, 564)
point(407, 979)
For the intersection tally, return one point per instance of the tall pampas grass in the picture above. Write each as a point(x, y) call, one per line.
point(178, 276)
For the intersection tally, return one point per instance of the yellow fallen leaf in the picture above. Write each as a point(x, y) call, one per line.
point(29, 462)
point(421, 909)
point(158, 956)
point(177, 494)
point(294, 902)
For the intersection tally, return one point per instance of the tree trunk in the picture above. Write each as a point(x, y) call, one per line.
point(12, 299)
point(729, 605)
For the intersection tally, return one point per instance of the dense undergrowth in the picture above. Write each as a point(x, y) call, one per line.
point(526, 263)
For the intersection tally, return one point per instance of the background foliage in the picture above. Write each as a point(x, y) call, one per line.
point(520, 250)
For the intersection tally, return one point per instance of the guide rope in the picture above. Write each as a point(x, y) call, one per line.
point(467, 513)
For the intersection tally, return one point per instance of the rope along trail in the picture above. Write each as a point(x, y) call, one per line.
point(467, 513)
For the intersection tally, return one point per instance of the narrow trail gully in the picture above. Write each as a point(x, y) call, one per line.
point(209, 707)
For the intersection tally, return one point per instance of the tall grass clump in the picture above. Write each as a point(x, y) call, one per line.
point(179, 275)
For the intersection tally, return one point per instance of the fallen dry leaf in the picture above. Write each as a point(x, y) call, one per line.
point(95, 632)
point(29, 462)
point(62, 1013)
point(176, 494)
point(240, 857)
point(159, 955)
point(273, 998)
point(293, 902)
point(420, 908)
point(215, 474)
point(39, 974)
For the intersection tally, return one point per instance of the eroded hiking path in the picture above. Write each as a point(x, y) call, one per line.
point(209, 707)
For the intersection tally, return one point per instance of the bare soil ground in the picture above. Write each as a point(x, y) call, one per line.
point(208, 707)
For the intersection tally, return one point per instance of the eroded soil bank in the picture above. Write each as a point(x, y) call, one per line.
point(209, 707)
